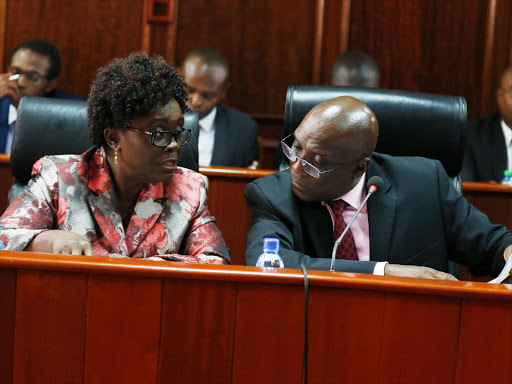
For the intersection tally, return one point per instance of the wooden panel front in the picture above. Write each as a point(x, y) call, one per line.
point(7, 315)
point(50, 327)
point(92, 319)
point(198, 331)
point(126, 312)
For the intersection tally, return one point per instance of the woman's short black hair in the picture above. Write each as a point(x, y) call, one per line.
point(131, 87)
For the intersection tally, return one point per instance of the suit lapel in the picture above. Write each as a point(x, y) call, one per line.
point(221, 140)
point(381, 217)
point(317, 226)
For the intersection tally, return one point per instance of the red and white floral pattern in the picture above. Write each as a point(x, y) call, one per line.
point(76, 193)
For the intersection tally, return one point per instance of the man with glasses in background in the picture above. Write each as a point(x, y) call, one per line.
point(33, 70)
point(411, 227)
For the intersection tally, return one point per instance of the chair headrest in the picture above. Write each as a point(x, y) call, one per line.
point(47, 126)
point(410, 123)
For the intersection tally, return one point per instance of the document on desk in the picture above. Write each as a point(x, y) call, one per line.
point(505, 272)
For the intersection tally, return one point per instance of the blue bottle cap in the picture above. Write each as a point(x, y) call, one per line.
point(270, 244)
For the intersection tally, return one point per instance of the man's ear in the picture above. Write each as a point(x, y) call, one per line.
point(51, 85)
point(361, 167)
point(112, 138)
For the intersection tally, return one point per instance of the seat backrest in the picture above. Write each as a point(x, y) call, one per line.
point(410, 123)
point(48, 126)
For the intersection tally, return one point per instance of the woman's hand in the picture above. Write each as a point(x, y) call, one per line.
point(58, 241)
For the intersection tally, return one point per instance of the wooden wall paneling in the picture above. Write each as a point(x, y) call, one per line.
point(269, 334)
point(355, 319)
point(413, 322)
point(488, 54)
point(334, 33)
point(50, 327)
point(87, 33)
point(198, 325)
point(485, 349)
point(277, 52)
point(3, 17)
point(7, 315)
point(125, 311)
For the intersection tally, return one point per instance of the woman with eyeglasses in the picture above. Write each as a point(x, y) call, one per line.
point(126, 196)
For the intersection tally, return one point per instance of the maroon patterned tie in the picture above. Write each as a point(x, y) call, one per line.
point(347, 247)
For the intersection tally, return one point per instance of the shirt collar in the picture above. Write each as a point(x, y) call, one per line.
point(206, 123)
point(13, 114)
point(507, 132)
point(356, 195)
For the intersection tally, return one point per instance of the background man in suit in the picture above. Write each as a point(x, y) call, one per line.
point(354, 69)
point(489, 140)
point(226, 136)
point(331, 158)
point(33, 69)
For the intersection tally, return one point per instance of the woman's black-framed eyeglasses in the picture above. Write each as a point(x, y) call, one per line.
point(164, 138)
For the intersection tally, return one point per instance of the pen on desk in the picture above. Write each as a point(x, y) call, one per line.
point(16, 76)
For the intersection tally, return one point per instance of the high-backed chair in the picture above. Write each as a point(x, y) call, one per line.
point(410, 123)
point(48, 126)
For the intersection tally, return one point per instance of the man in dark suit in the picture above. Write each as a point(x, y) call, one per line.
point(33, 70)
point(226, 136)
point(417, 218)
point(489, 141)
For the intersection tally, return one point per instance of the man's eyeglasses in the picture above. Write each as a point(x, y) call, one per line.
point(31, 76)
point(309, 168)
point(164, 138)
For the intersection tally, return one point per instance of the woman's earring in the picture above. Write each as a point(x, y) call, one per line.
point(115, 156)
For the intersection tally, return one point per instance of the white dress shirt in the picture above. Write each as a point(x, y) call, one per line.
point(206, 137)
point(507, 133)
point(360, 227)
point(13, 115)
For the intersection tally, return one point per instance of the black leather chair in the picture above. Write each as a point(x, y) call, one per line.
point(48, 126)
point(410, 123)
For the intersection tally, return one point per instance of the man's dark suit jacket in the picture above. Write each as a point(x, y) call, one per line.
point(418, 218)
point(485, 156)
point(236, 138)
point(4, 112)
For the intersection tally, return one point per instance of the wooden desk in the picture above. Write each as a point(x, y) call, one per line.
point(495, 200)
point(67, 319)
point(226, 202)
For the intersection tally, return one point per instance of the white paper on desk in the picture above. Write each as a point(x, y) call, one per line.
point(505, 272)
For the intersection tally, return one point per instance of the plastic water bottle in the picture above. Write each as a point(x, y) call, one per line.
point(270, 257)
point(2, 246)
point(507, 179)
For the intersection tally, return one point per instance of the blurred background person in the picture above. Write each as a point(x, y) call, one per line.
point(33, 70)
point(354, 69)
point(126, 195)
point(226, 136)
point(488, 151)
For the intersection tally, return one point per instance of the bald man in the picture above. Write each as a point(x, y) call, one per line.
point(489, 140)
point(226, 136)
point(417, 219)
point(354, 69)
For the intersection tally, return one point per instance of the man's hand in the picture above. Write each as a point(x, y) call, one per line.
point(9, 88)
point(255, 165)
point(415, 271)
point(58, 241)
